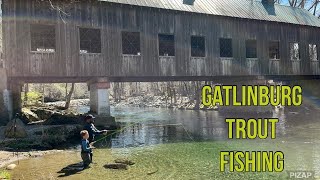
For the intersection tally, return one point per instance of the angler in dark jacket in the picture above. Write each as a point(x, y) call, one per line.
point(92, 130)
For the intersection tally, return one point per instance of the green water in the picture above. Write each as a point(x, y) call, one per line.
point(190, 151)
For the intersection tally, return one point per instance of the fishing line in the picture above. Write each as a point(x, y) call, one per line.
point(132, 124)
point(180, 124)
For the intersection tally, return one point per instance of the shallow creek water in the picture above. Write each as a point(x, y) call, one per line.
point(180, 144)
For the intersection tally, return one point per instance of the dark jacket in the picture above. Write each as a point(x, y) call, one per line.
point(92, 131)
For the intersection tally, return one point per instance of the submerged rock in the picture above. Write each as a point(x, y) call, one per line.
point(152, 172)
point(124, 161)
point(116, 166)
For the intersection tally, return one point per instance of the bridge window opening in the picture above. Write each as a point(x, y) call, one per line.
point(198, 48)
point(131, 43)
point(43, 38)
point(225, 47)
point(274, 50)
point(294, 51)
point(166, 45)
point(90, 40)
point(251, 49)
point(313, 54)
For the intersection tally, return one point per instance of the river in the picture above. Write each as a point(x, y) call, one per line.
point(183, 144)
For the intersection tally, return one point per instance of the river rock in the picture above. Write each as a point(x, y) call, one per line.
point(124, 161)
point(11, 166)
point(116, 166)
point(29, 116)
point(42, 113)
point(15, 129)
point(59, 118)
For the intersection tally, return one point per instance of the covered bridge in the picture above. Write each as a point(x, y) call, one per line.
point(151, 40)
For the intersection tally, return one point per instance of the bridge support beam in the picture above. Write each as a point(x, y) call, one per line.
point(99, 102)
point(5, 99)
point(15, 97)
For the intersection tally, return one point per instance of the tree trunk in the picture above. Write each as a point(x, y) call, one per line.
point(26, 90)
point(43, 93)
point(68, 97)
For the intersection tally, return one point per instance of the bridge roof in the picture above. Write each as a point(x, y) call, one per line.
point(247, 9)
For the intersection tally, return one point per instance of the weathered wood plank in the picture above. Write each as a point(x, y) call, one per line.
point(197, 66)
point(252, 65)
point(274, 66)
point(89, 64)
point(226, 66)
point(167, 65)
point(131, 65)
point(315, 69)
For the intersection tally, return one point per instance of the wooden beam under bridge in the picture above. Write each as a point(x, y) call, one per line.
point(216, 79)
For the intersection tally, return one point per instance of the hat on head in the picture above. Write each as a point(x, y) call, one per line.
point(89, 116)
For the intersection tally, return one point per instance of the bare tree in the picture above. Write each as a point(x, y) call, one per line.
point(68, 97)
point(311, 5)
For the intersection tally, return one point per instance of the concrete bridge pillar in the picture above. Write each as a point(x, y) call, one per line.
point(99, 98)
point(15, 93)
point(99, 102)
point(5, 99)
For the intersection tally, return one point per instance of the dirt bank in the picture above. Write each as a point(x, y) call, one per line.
point(8, 157)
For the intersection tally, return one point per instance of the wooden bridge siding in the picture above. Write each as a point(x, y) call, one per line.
point(182, 41)
point(315, 66)
point(112, 19)
point(285, 65)
point(167, 66)
point(9, 39)
point(112, 39)
point(225, 29)
point(304, 54)
point(149, 43)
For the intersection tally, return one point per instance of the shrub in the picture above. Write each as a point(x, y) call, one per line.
point(33, 97)
point(5, 175)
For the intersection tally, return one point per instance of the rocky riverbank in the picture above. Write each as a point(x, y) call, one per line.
point(148, 100)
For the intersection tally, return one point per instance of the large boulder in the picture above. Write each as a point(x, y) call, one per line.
point(15, 129)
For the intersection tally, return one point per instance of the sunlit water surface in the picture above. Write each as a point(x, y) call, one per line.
point(181, 144)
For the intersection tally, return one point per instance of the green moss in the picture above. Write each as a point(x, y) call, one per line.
point(5, 175)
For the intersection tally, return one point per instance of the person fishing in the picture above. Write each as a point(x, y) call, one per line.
point(92, 130)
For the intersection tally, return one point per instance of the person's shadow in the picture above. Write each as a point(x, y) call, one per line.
point(71, 169)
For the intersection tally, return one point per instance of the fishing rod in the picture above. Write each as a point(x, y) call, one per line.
point(115, 132)
point(132, 124)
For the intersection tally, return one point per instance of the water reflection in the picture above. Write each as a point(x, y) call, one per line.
point(297, 137)
point(150, 126)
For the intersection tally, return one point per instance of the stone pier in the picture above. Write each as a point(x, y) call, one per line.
point(5, 99)
point(99, 102)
